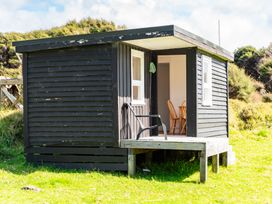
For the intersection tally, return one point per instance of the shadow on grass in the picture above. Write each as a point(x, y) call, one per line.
point(177, 171)
point(163, 172)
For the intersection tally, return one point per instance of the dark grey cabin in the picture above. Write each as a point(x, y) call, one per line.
point(75, 88)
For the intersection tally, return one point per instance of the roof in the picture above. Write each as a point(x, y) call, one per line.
point(153, 38)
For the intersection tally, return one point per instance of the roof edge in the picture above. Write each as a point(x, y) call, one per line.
point(202, 43)
point(94, 38)
point(122, 35)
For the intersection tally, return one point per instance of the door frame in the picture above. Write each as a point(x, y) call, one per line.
point(191, 87)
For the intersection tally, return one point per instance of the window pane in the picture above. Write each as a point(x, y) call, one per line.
point(136, 93)
point(136, 68)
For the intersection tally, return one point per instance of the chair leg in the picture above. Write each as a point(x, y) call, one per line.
point(171, 127)
point(183, 127)
point(180, 125)
point(174, 127)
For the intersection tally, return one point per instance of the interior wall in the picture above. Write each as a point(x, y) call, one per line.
point(177, 78)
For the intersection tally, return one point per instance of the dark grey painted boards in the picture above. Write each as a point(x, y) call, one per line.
point(69, 106)
point(127, 123)
point(213, 121)
point(25, 92)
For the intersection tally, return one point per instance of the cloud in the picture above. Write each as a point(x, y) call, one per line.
point(242, 22)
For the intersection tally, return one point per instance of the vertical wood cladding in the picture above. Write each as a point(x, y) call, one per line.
point(70, 108)
point(212, 121)
point(128, 125)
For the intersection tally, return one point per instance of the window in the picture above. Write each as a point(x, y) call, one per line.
point(137, 76)
point(206, 81)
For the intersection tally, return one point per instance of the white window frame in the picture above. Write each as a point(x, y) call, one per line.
point(140, 83)
point(207, 86)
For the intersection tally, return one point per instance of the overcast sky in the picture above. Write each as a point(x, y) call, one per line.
point(243, 22)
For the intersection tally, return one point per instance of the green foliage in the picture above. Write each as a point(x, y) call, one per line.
point(8, 58)
point(250, 115)
point(267, 98)
point(240, 85)
point(266, 73)
point(257, 63)
point(248, 57)
point(11, 127)
point(12, 73)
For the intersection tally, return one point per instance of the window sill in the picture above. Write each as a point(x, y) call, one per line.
point(138, 103)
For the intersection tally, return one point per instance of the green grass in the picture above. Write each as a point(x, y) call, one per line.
point(248, 181)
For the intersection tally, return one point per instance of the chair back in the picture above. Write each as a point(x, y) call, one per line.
point(172, 110)
point(183, 103)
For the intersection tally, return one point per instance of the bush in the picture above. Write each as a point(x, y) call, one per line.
point(240, 85)
point(249, 115)
point(266, 74)
point(248, 57)
point(267, 98)
point(11, 128)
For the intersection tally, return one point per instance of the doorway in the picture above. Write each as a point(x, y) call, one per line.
point(171, 84)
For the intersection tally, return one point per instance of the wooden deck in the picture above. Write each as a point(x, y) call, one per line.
point(206, 146)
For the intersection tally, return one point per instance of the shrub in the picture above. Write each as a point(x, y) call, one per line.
point(266, 74)
point(11, 127)
point(248, 57)
point(240, 85)
point(267, 98)
point(249, 115)
point(259, 86)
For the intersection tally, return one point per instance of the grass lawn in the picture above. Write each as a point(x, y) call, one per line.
point(248, 181)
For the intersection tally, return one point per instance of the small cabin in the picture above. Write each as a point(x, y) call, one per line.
point(91, 100)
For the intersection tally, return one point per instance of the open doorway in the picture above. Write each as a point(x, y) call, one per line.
point(171, 85)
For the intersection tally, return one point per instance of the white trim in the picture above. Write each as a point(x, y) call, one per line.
point(206, 83)
point(140, 83)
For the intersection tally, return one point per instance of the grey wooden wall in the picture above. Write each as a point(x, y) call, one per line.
point(213, 121)
point(69, 108)
point(128, 126)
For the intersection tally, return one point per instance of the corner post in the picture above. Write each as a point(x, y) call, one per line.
point(203, 166)
point(131, 162)
point(215, 163)
point(225, 159)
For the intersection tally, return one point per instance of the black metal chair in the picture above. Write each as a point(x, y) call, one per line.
point(142, 127)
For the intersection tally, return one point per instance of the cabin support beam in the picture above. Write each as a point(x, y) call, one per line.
point(215, 163)
point(225, 159)
point(203, 166)
point(131, 162)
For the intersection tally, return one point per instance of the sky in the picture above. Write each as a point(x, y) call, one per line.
point(243, 22)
